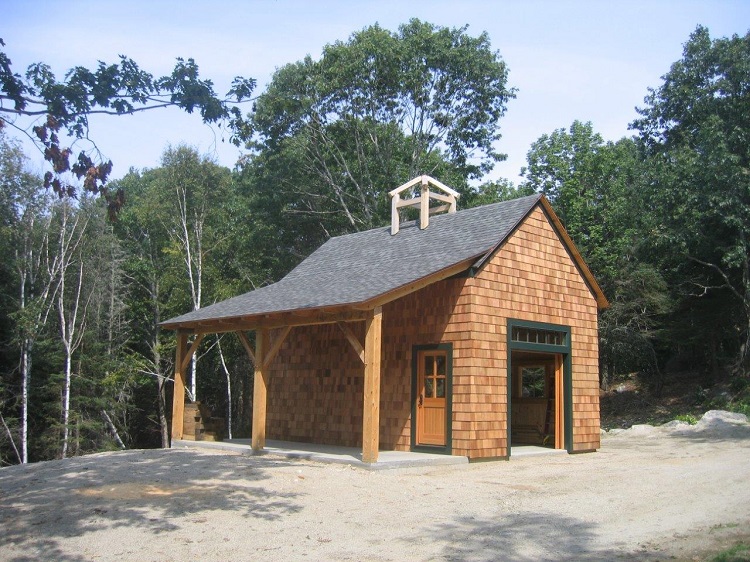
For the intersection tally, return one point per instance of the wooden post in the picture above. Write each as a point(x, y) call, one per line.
point(559, 403)
point(395, 218)
point(178, 400)
point(371, 414)
point(424, 205)
point(260, 389)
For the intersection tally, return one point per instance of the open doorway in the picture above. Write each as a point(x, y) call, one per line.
point(536, 399)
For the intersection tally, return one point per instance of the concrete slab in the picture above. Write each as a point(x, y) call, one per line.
point(518, 451)
point(326, 453)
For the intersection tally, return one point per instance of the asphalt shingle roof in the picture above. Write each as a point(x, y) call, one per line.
point(357, 267)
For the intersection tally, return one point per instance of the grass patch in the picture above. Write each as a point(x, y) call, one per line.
point(689, 418)
point(738, 553)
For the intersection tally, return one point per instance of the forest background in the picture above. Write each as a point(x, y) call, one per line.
point(92, 264)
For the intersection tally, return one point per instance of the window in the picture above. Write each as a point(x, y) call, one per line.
point(535, 335)
point(434, 374)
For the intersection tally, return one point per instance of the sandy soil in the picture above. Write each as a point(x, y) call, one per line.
point(649, 494)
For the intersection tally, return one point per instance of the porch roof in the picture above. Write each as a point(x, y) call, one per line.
point(363, 269)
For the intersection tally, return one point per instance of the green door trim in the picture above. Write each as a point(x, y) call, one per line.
point(448, 448)
point(563, 349)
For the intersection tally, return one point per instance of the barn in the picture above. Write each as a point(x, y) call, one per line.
point(462, 333)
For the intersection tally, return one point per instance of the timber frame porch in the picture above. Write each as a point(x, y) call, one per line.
point(270, 333)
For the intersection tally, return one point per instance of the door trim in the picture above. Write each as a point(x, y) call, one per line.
point(448, 448)
point(564, 349)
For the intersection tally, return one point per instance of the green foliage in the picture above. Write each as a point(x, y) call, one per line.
point(494, 192)
point(333, 136)
point(688, 418)
point(694, 132)
point(439, 87)
point(111, 89)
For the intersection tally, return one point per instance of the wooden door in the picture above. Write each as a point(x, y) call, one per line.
point(432, 389)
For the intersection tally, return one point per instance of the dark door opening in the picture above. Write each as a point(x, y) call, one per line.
point(536, 399)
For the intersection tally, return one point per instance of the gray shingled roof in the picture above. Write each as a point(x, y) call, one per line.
point(358, 267)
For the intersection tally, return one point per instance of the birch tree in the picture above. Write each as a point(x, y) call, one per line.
point(197, 226)
point(72, 297)
point(34, 263)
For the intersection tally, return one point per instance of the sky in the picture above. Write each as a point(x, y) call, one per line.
point(569, 60)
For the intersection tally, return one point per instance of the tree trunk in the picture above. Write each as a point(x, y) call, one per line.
point(113, 430)
point(163, 423)
point(10, 437)
point(25, 382)
point(66, 403)
point(229, 388)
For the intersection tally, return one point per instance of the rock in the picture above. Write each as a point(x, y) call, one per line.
point(719, 420)
point(675, 424)
point(713, 416)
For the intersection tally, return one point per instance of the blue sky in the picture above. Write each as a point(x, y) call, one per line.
point(586, 60)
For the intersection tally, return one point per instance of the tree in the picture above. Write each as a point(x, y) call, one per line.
point(334, 135)
point(494, 192)
point(186, 234)
point(595, 188)
point(25, 230)
point(147, 269)
point(196, 226)
point(694, 129)
point(71, 295)
point(111, 89)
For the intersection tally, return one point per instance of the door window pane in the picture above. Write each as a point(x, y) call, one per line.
point(429, 364)
point(428, 387)
point(440, 389)
point(440, 360)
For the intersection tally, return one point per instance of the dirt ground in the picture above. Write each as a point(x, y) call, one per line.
point(668, 493)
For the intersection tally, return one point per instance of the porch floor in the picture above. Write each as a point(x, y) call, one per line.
point(326, 453)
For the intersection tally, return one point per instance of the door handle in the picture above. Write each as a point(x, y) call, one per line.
point(419, 402)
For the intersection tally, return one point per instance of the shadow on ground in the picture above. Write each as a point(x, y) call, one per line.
point(524, 537)
point(153, 491)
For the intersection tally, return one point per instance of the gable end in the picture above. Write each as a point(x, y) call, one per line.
point(567, 242)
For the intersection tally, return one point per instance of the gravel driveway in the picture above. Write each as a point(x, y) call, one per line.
point(649, 494)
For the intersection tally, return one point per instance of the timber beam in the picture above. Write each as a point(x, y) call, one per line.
point(267, 350)
point(353, 340)
point(190, 352)
point(247, 345)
